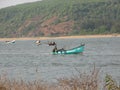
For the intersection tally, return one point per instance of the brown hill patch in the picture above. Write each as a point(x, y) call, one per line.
point(62, 28)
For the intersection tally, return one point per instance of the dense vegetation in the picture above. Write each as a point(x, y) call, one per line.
point(60, 17)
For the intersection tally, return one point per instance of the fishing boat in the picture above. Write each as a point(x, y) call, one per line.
point(38, 42)
point(51, 43)
point(74, 50)
point(13, 41)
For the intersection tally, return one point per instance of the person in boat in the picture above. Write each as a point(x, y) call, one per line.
point(54, 43)
point(61, 50)
point(55, 49)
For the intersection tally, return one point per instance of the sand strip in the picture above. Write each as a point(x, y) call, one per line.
point(63, 37)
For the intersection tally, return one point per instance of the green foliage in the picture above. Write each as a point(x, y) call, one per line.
point(111, 84)
point(90, 16)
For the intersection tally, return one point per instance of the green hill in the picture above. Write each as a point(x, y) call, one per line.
point(60, 17)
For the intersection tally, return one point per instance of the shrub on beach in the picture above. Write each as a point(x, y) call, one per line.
point(78, 82)
point(81, 82)
point(111, 84)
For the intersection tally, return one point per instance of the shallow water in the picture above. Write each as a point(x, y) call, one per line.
point(25, 60)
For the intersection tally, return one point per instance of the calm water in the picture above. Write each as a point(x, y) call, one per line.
point(24, 60)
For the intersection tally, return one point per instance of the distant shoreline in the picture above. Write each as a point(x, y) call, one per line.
point(62, 37)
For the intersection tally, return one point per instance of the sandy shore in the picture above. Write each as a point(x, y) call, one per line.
point(63, 37)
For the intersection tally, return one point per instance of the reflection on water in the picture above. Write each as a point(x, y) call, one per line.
point(25, 60)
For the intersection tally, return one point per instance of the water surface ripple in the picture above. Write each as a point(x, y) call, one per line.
point(25, 60)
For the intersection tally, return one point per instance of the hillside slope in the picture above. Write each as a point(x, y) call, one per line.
point(60, 17)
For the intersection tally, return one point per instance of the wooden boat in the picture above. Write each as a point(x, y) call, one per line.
point(51, 43)
point(75, 50)
point(38, 42)
point(13, 41)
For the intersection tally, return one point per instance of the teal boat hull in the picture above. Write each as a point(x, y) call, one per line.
point(75, 50)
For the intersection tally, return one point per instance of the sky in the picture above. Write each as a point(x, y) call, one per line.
point(6, 3)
